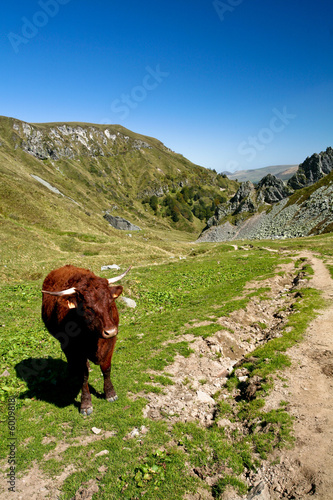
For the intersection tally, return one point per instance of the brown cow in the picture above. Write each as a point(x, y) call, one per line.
point(79, 310)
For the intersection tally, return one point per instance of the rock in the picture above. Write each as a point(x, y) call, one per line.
point(243, 200)
point(259, 492)
point(241, 372)
point(95, 430)
point(312, 169)
point(224, 232)
point(271, 190)
point(5, 374)
point(134, 433)
point(129, 302)
point(112, 266)
point(309, 216)
point(102, 453)
point(203, 397)
point(121, 223)
point(275, 215)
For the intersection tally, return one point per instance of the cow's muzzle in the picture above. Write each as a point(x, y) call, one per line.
point(108, 334)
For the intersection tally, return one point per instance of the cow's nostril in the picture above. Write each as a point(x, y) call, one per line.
point(110, 333)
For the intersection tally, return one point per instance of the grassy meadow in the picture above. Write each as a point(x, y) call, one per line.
point(175, 283)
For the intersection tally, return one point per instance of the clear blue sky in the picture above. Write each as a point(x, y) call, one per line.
point(229, 84)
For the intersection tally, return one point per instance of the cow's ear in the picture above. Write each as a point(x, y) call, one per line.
point(70, 302)
point(116, 291)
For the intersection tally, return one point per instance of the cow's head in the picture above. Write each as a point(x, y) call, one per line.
point(94, 302)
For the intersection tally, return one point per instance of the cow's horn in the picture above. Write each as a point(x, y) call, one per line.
point(117, 278)
point(63, 293)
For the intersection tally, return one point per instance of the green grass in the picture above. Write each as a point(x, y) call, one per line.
point(169, 296)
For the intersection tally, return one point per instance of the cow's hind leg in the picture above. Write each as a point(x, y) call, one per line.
point(109, 390)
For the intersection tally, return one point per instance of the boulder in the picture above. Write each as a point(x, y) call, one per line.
point(121, 223)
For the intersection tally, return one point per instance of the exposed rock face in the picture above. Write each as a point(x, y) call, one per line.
point(155, 191)
point(249, 198)
point(120, 223)
point(284, 220)
point(271, 190)
point(308, 214)
point(244, 199)
point(312, 169)
point(65, 141)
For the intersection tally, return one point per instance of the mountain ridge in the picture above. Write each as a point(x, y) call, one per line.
point(60, 180)
point(283, 172)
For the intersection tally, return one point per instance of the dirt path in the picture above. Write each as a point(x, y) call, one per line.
point(307, 469)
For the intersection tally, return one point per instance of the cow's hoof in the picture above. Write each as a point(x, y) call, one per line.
point(86, 411)
point(113, 398)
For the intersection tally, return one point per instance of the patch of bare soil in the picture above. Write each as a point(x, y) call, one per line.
point(307, 470)
point(36, 485)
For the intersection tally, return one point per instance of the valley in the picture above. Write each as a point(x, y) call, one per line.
point(223, 368)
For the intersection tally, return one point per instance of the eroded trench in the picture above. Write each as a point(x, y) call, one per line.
point(198, 377)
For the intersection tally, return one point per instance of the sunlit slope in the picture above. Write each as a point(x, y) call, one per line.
point(87, 170)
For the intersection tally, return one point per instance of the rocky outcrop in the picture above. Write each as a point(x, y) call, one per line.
point(66, 141)
point(120, 223)
point(312, 169)
point(271, 190)
point(309, 214)
point(244, 199)
point(249, 198)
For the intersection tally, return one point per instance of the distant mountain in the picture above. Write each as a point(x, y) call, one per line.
point(283, 172)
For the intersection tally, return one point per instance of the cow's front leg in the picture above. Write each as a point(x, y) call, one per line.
point(109, 391)
point(86, 405)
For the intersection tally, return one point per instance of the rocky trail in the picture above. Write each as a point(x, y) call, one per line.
point(307, 470)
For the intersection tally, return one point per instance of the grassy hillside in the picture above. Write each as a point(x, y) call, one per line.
point(96, 168)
